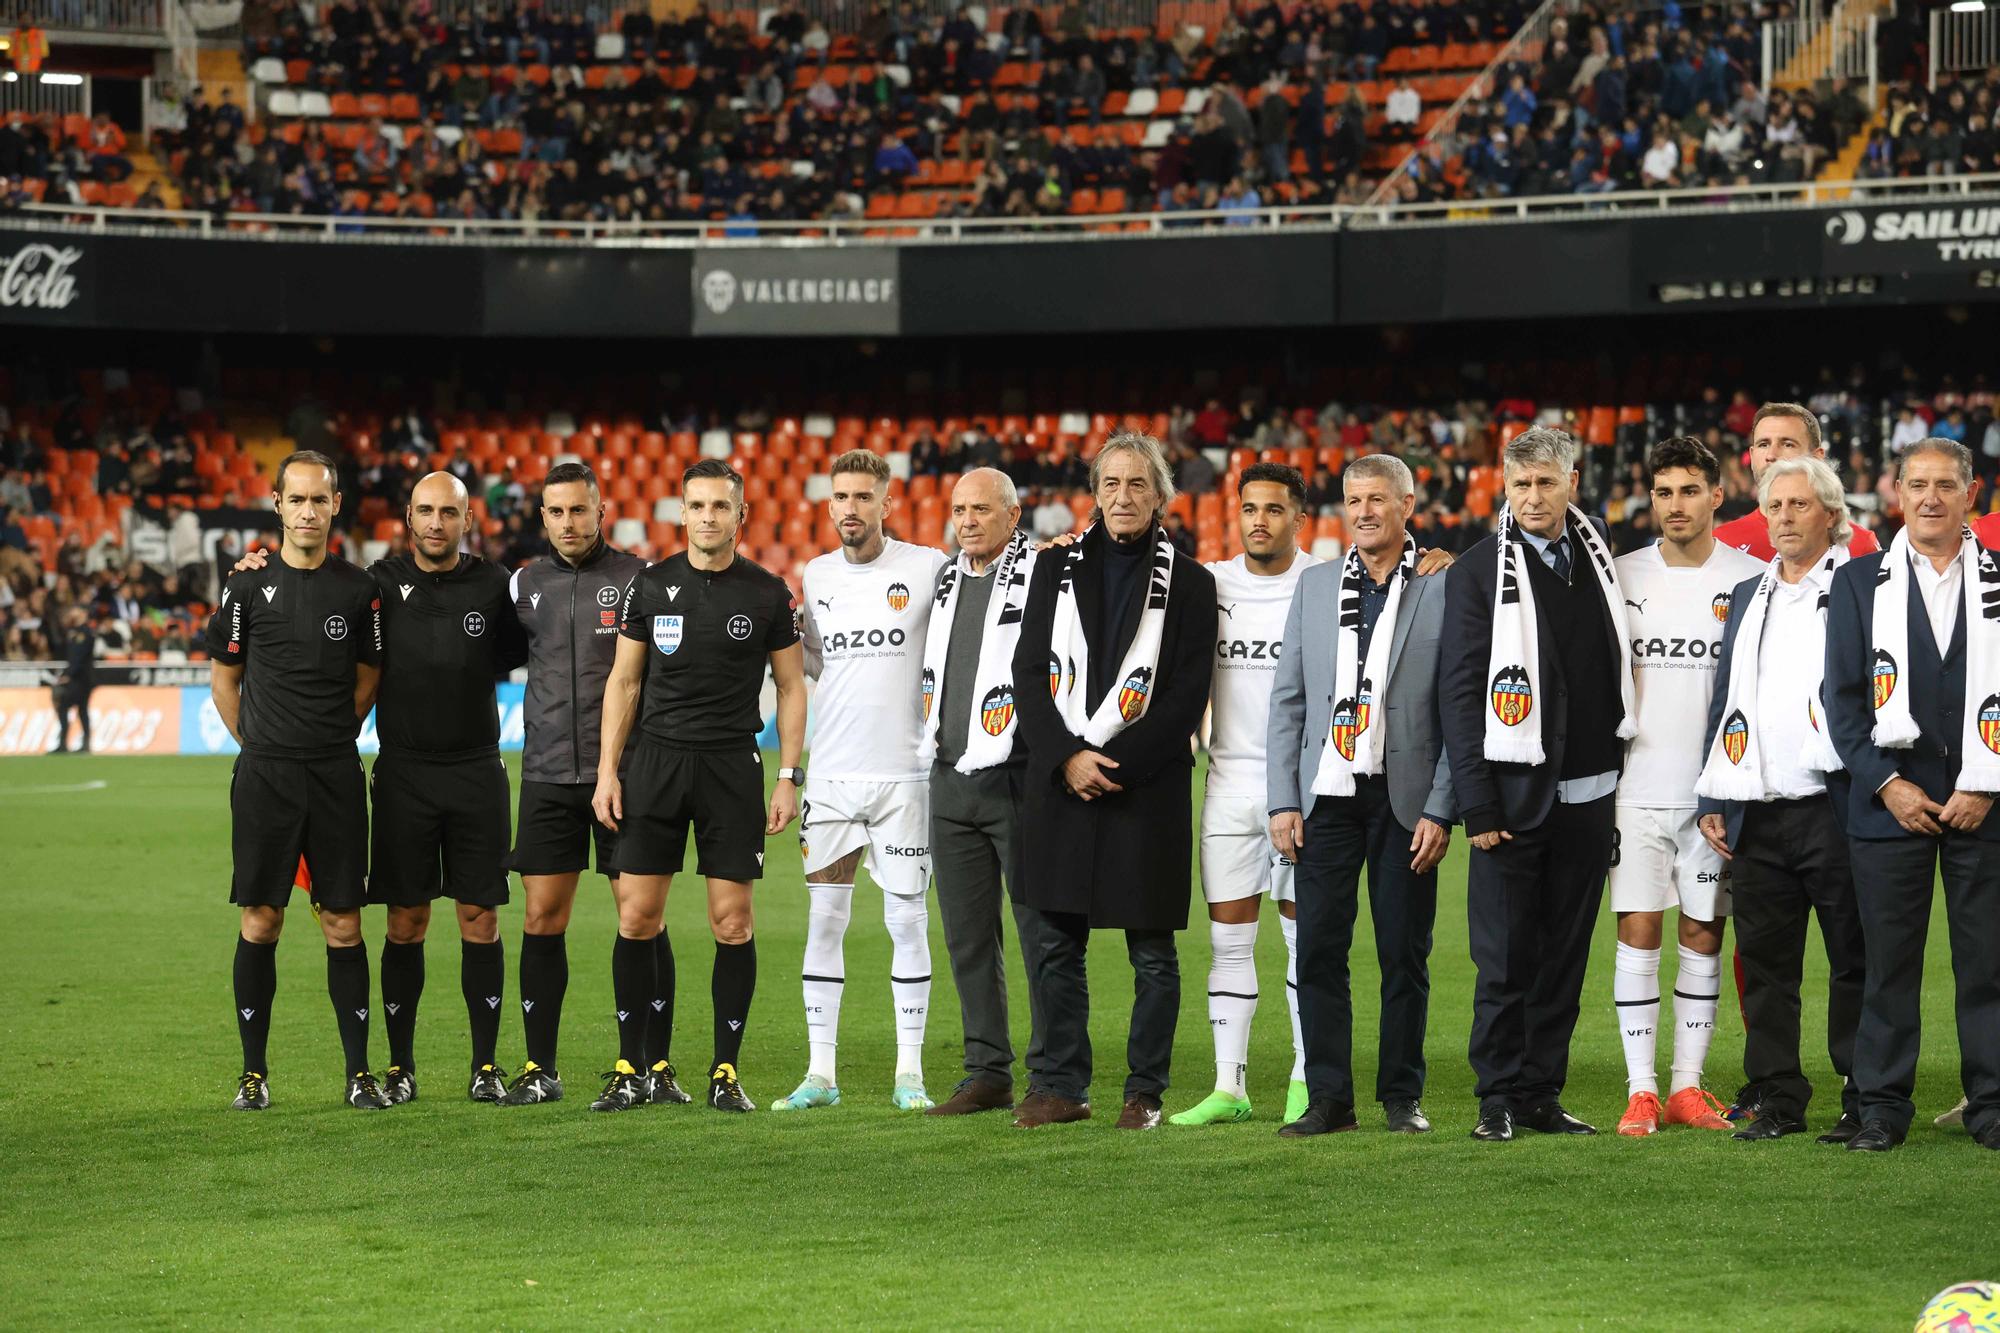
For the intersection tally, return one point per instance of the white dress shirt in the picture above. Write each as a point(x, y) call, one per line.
point(1791, 663)
point(1943, 594)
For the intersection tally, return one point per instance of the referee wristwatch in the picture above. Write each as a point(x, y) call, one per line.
point(795, 776)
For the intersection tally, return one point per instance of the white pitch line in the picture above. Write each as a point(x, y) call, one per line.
point(97, 784)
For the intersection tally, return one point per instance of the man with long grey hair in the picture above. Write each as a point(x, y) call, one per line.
point(1122, 628)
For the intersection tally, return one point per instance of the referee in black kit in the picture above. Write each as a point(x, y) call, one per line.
point(439, 787)
point(696, 632)
point(295, 651)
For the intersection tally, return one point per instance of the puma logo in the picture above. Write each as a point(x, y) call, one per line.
point(1227, 609)
point(1640, 605)
point(823, 603)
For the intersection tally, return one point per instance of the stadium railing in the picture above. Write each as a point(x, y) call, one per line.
point(1099, 226)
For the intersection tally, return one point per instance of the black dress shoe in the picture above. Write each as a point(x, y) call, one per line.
point(1771, 1125)
point(1748, 1105)
point(1843, 1131)
point(1989, 1137)
point(1552, 1119)
point(1495, 1126)
point(1405, 1116)
point(1876, 1136)
point(1325, 1116)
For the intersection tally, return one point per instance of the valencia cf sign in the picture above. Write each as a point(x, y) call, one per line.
point(1989, 722)
point(1132, 694)
point(929, 687)
point(996, 710)
point(899, 596)
point(1885, 678)
point(1735, 736)
point(1513, 697)
point(1721, 608)
point(1346, 726)
point(1057, 676)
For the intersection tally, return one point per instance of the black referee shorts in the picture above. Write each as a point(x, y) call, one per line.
point(720, 792)
point(440, 831)
point(555, 831)
point(280, 809)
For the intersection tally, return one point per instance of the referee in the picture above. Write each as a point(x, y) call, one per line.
point(568, 604)
point(295, 652)
point(696, 632)
point(439, 786)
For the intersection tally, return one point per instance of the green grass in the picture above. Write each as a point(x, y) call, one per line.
point(134, 1198)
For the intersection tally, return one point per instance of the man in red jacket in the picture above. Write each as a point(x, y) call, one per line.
point(1781, 430)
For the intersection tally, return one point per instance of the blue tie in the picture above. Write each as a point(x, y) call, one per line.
point(1559, 557)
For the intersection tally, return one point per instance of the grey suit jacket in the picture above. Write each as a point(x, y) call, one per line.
point(1414, 761)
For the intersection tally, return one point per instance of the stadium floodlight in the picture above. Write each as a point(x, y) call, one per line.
point(11, 76)
point(67, 80)
point(1967, 6)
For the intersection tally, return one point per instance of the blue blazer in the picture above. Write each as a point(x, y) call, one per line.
point(1732, 811)
point(1937, 702)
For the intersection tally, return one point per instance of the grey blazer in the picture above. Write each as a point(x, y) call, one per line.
point(1414, 761)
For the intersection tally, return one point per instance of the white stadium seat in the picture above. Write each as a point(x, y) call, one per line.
point(449, 135)
point(717, 444)
point(314, 104)
point(610, 46)
point(1197, 98)
point(1158, 133)
point(818, 425)
point(269, 69)
point(819, 488)
point(667, 509)
point(628, 533)
point(283, 102)
point(1142, 102)
point(898, 75)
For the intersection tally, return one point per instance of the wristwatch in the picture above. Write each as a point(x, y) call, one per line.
point(795, 776)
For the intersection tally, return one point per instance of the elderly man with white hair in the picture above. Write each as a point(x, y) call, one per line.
point(1121, 626)
point(968, 742)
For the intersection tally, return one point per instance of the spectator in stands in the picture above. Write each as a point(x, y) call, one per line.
point(1402, 112)
point(1274, 129)
point(107, 149)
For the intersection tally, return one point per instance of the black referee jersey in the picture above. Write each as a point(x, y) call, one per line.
point(709, 632)
point(447, 637)
point(298, 634)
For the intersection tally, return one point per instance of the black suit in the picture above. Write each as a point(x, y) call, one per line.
point(1790, 863)
point(1531, 903)
point(1895, 871)
point(1122, 861)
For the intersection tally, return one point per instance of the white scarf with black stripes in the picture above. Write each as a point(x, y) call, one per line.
point(1513, 666)
point(1895, 728)
point(1354, 740)
point(990, 735)
point(1069, 650)
point(1734, 767)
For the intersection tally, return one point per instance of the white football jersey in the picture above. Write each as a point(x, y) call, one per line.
point(1676, 617)
point(1249, 632)
point(863, 625)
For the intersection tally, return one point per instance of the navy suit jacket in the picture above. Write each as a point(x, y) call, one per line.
point(1937, 702)
point(1732, 811)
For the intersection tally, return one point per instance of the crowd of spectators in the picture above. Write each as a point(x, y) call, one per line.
point(155, 605)
point(1946, 131)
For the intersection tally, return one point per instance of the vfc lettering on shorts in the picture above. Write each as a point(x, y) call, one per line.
point(1249, 650)
point(839, 642)
point(1696, 649)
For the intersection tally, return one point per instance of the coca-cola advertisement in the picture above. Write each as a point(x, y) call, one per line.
point(44, 281)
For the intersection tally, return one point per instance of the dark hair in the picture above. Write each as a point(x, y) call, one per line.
point(311, 456)
point(866, 462)
point(1805, 416)
point(563, 473)
point(1288, 477)
point(714, 469)
point(1682, 451)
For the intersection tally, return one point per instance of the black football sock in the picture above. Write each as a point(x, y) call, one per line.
point(347, 987)
point(730, 988)
point(256, 976)
point(544, 978)
point(660, 1022)
point(402, 987)
point(482, 975)
point(633, 985)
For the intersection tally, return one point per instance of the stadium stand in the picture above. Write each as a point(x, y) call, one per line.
point(745, 117)
point(81, 463)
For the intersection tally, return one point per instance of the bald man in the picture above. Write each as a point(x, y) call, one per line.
point(439, 786)
point(975, 774)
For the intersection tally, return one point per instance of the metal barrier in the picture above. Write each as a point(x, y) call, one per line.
point(49, 93)
point(94, 16)
point(1812, 48)
point(1105, 228)
point(1963, 41)
point(1525, 46)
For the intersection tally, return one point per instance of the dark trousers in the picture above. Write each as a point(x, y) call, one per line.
point(972, 830)
point(68, 699)
point(1893, 882)
point(1531, 905)
point(1342, 835)
point(1791, 862)
point(1064, 1000)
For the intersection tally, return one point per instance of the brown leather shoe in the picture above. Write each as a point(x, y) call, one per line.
point(1045, 1108)
point(1142, 1112)
point(973, 1097)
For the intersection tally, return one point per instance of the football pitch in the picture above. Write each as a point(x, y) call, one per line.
point(136, 1199)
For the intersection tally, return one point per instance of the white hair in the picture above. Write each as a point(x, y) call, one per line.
point(1540, 446)
point(1384, 467)
point(1010, 496)
point(1149, 451)
point(1826, 489)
